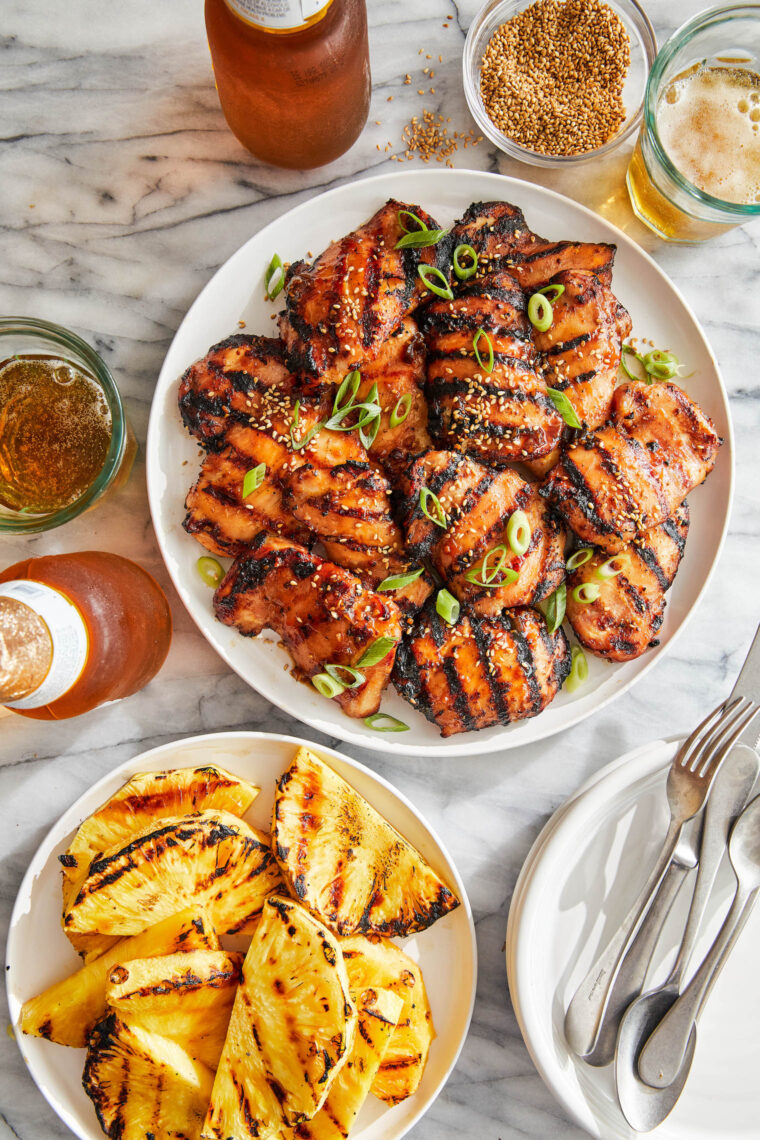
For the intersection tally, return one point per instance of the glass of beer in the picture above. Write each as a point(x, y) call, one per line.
point(695, 171)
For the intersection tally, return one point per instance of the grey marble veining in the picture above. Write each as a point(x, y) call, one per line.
point(123, 191)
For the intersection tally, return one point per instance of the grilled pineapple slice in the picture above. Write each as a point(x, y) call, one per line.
point(346, 863)
point(144, 1086)
point(145, 798)
point(379, 1011)
point(291, 1029)
point(383, 964)
point(187, 997)
point(213, 861)
point(68, 1011)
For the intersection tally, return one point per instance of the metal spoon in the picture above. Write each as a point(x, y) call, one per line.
point(645, 1107)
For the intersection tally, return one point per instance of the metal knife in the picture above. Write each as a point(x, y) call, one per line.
point(748, 685)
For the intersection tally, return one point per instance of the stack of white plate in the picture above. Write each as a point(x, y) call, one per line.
point(575, 887)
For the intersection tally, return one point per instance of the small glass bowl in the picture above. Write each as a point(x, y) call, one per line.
point(20, 335)
point(643, 52)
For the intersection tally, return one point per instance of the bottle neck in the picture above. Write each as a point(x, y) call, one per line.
point(43, 644)
point(279, 15)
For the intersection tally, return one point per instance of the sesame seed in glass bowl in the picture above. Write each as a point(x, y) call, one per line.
point(558, 82)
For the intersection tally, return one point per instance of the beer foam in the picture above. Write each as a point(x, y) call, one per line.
point(709, 124)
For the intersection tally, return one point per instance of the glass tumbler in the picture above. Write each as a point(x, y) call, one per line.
point(661, 195)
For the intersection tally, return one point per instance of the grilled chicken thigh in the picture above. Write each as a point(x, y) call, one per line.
point(340, 310)
point(323, 613)
point(398, 370)
point(623, 621)
point(480, 671)
point(478, 502)
point(499, 234)
point(633, 473)
point(236, 379)
point(502, 415)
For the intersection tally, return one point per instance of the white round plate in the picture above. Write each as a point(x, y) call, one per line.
point(575, 887)
point(236, 293)
point(39, 954)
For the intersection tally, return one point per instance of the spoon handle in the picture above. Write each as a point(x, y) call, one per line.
point(584, 1014)
point(662, 1055)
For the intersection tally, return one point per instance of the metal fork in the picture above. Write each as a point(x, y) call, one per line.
point(689, 780)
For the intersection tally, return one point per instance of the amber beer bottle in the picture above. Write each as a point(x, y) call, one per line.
point(77, 630)
point(292, 75)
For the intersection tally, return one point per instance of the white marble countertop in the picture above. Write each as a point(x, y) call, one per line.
point(123, 191)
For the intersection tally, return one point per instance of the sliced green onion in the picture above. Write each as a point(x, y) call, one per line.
point(418, 221)
point(608, 569)
point(355, 678)
point(662, 365)
point(447, 606)
point(367, 413)
point(578, 670)
point(439, 515)
point(426, 272)
point(540, 312)
point(492, 579)
point(564, 407)
point(628, 350)
point(210, 571)
point(326, 685)
point(299, 444)
point(421, 239)
point(586, 593)
point(376, 651)
point(351, 386)
point(391, 723)
point(401, 410)
point(368, 437)
point(464, 272)
point(482, 333)
point(552, 291)
point(518, 532)
point(580, 558)
point(274, 265)
point(553, 608)
point(399, 581)
point(253, 479)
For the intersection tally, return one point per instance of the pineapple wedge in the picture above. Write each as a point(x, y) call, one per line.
point(384, 965)
point(292, 1027)
point(346, 863)
point(146, 797)
point(68, 1011)
point(379, 1011)
point(144, 1086)
point(187, 997)
point(212, 861)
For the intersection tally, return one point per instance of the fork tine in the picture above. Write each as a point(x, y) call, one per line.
point(687, 750)
point(726, 740)
point(717, 734)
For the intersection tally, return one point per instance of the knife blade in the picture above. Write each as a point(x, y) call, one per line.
point(748, 685)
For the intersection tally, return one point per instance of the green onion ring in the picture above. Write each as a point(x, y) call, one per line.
point(367, 413)
point(564, 407)
point(399, 581)
point(271, 269)
point(578, 670)
point(375, 652)
point(210, 571)
point(518, 532)
point(447, 607)
point(327, 686)
point(540, 312)
point(427, 496)
point(554, 608)
point(299, 444)
point(607, 569)
point(253, 479)
point(408, 214)
point(427, 271)
point(464, 272)
point(586, 593)
point(580, 558)
point(392, 724)
point(356, 679)
point(401, 410)
point(352, 381)
point(482, 333)
point(552, 291)
point(487, 579)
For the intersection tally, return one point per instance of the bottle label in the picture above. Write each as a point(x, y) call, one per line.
point(282, 15)
point(68, 634)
